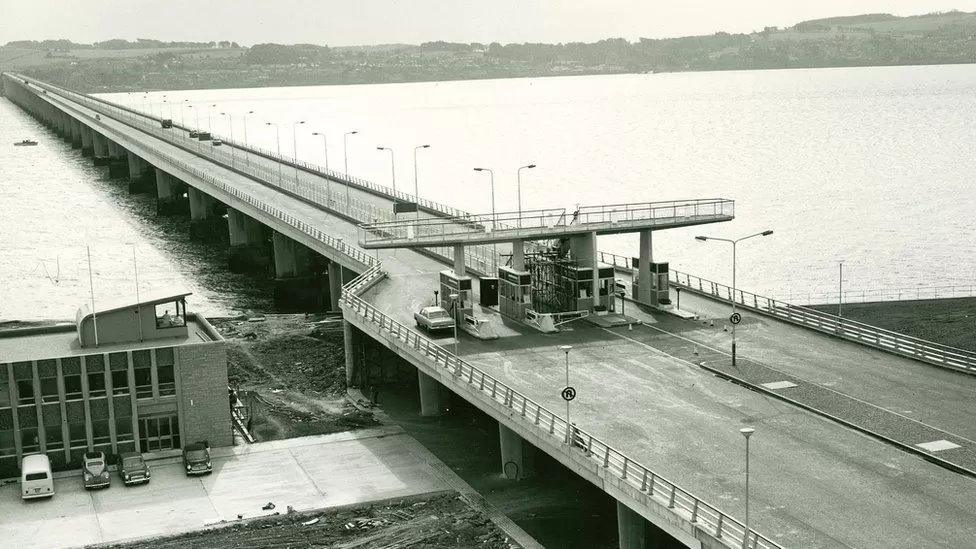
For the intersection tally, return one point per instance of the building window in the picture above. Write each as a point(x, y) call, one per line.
point(171, 314)
point(25, 392)
point(120, 382)
point(123, 429)
point(100, 432)
point(159, 433)
point(167, 383)
point(49, 389)
point(4, 389)
point(55, 439)
point(7, 446)
point(96, 384)
point(72, 387)
point(28, 440)
point(79, 438)
point(143, 378)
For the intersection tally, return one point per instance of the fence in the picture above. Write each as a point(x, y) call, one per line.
point(872, 336)
point(885, 294)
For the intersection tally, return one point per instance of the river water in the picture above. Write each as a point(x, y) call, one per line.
point(867, 165)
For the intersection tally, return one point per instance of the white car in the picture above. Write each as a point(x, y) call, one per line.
point(434, 318)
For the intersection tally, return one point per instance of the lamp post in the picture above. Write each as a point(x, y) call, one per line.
point(840, 286)
point(569, 437)
point(294, 146)
point(393, 175)
point(345, 160)
point(247, 157)
point(747, 432)
point(278, 140)
point(518, 175)
point(494, 217)
point(325, 153)
point(230, 121)
point(209, 127)
point(182, 105)
point(454, 310)
point(733, 242)
point(416, 187)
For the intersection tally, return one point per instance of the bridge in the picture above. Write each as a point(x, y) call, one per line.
point(655, 421)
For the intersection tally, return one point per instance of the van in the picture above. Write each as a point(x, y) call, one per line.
point(35, 477)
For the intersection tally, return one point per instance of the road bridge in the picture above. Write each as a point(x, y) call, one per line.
point(653, 430)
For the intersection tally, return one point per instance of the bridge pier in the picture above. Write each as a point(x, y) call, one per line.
point(644, 290)
point(586, 254)
point(336, 280)
point(100, 149)
point(459, 260)
point(518, 456)
point(139, 174)
point(116, 160)
point(75, 134)
point(169, 195)
point(431, 395)
point(631, 528)
point(248, 244)
point(298, 277)
point(349, 346)
point(206, 216)
point(62, 126)
point(87, 145)
point(518, 255)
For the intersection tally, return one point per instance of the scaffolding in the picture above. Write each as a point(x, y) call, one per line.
point(554, 282)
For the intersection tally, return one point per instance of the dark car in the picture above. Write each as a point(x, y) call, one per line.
point(133, 469)
point(196, 458)
point(194, 134)
point(94, 470)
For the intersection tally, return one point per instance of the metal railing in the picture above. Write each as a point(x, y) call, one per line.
point(884, 294)
point(872, 336)
point(532, 415)
point(696, 208)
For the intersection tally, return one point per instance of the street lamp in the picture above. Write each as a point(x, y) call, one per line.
point(247, 156)
point(416, 188)
point(209, 110)
point(182, 123)
point(518, 174)
point(454, 310)
point(494, 218)
point(278, 140)
point(325, 153)
point(345, 161)
point(230, 121)
point(747, 432)
point(393, 174)
point(294, 146)
point(565, 349)
point(733, 242)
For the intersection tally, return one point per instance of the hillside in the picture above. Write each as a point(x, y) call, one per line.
point(118, 65)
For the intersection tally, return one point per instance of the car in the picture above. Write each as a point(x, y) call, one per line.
point(196, 458)
point(194, 134)
point(94, 471)
point(216, 142)
point(133, 469)
point(434, 318)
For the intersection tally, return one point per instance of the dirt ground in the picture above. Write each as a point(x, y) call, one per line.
point(947, 321)
point(289, 370)
point(439, 521)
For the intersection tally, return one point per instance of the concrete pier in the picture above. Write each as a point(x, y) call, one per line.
point(631, 528)
point(336, 279)
point(100, 149)
point(141, 178)
point(206, 216)
point(517, 456)
point(299, 284)
point(349, 347)
point(249, 250)
point(75, 134)
point(87, 141)
point(645, 289)
point(169, 195)
point(117, 166)
point(431, 398)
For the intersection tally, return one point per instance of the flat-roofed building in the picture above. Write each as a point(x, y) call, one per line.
point(131, 376)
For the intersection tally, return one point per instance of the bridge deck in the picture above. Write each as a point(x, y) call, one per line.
point(817, 484)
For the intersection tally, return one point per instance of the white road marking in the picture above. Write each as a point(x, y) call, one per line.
point(938, 445)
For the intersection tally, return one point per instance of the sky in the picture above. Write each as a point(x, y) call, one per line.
point(360, 22)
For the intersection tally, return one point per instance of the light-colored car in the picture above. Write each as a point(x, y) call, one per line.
point(94, 470)
point(434, 318)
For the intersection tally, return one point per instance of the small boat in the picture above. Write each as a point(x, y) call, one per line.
point(25, 143)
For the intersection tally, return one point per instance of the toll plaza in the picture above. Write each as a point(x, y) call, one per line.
point(553, 274)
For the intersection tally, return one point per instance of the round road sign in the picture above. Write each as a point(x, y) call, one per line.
point(569, 393)
point(735, 318)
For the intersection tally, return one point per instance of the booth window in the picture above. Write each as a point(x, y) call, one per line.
point(171, 314)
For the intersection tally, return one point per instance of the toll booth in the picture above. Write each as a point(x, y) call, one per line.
point(452, 283)
point(607, 287)
point(660, 293)
point(514, 292)
point(580, 279)
point(488, 297)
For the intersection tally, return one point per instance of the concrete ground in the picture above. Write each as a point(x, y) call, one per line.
point(306, 473)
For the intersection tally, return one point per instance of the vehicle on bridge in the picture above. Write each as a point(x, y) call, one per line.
point(216, 142)
point(203, 136)
point(194, 134)
point(434, 318)
point(166, 123)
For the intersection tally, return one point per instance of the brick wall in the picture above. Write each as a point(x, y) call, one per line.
point(204, 402)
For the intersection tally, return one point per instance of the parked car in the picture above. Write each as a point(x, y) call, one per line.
point(133, 469)
point(196, 458)
point(94, 471)
point(216, 142)
point(35, 477)
point(194, 134)
point(434, 318)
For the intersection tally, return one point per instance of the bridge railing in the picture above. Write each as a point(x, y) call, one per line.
point(643, 211)
point(872, 336)
point(549, 426)
point(872, 295)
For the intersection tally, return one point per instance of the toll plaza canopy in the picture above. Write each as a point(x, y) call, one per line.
point(412, 232)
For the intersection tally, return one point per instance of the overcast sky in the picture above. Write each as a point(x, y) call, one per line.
point(355, 22)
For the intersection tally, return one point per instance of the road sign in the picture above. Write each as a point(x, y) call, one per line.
point(735, 318)
point(569, 393)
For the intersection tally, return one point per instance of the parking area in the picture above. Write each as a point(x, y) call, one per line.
point(305, 473)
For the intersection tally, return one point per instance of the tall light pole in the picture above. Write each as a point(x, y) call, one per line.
point(393, 175)
point(345, 161)
point(230, 121)
point(518, 175)
point(733, 242)
point(294, 146)
point(182, 123)
point(209, 127)
point(416, 187)
point(569, 430)
point(247, 157)
point(840, 286)
point(278, 140)
point(747, 432)
point(325, 153)
point(494, 217)
point(454, 307)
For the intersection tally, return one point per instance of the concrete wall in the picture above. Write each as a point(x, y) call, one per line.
point(203, 394)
